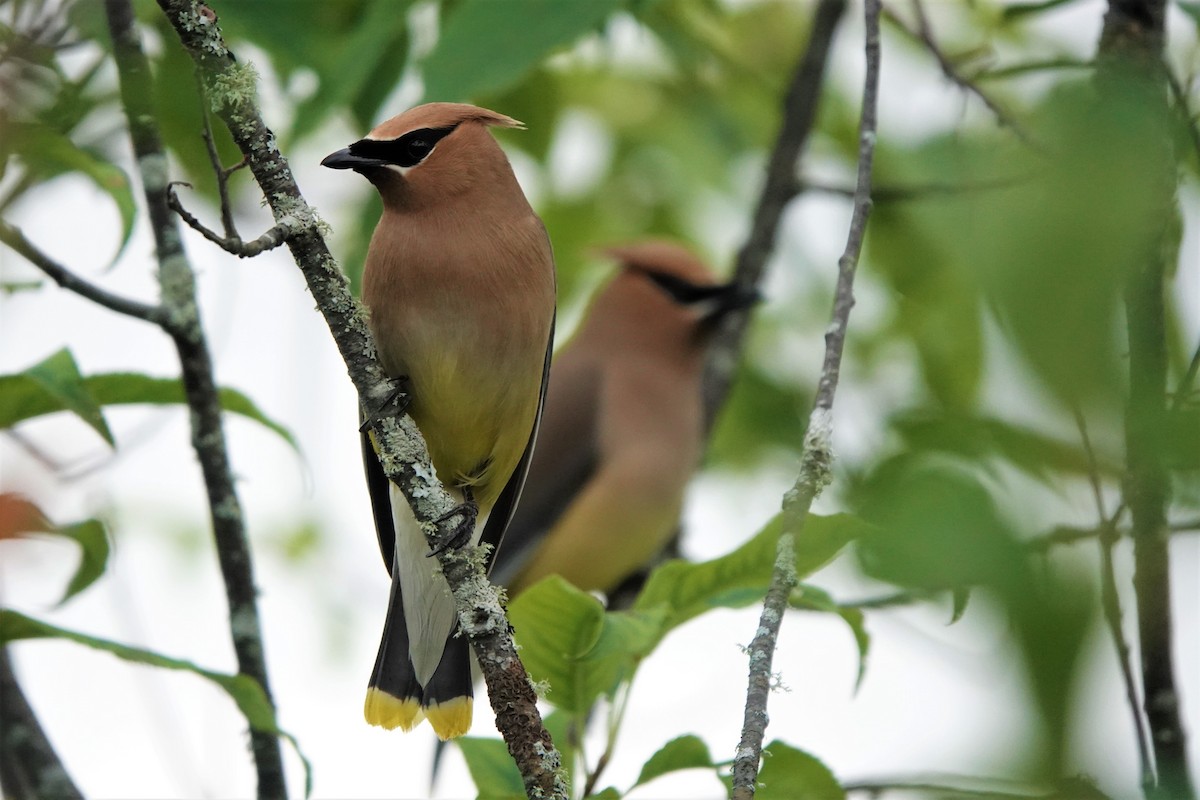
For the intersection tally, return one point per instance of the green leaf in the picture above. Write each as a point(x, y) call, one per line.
point(495, 774)
point(131, 387)
point(937, 304)
point(608, 793)
point(791, 774)
point(812, 598)
point(242, 689)
point(23, 398)
point(684, 752)
point(378, 37)
point(1054, 249)
point(685, 590)
point(961, 596)
point(93, 543)
point(937, 527)
point(492, 768)
point(48, 153)
point(1182, 441)
point(179, 107)
point(979, 437)
point(465, 62)
point(1021, 10)
point(569, 640)
point(58, 379)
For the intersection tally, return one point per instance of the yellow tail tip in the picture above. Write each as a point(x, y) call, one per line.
point(391, 712)
point(450, 719)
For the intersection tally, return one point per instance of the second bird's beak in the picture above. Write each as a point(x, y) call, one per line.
point(344, 159)
point(732, 296)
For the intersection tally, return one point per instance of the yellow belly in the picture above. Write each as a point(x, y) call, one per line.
point(476, 421)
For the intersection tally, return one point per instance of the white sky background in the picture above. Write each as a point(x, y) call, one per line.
point(935, 698)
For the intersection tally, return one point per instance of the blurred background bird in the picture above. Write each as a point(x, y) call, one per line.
point(459, 283)
point(623, 428)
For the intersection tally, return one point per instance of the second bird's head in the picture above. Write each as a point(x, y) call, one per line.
point(671, 282)
point(436, 149)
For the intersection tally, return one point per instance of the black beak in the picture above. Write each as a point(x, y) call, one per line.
point(729, 297)
point(344, 159)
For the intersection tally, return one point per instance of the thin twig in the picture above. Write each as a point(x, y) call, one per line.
point(761, 653)
point(1110, 601)
point(15, 239)
point(230, 243)
point(208, 438)
point(1017, 70)
point(894, 600)
point(403, 454)
point(219, 171)
point(1183, 110)
point(799, 115)
point(817, 455)
point(29, 766)
point(924, 35)
point(884, 194)
point(616, 716)
point(935, 788)
point(1185, 383)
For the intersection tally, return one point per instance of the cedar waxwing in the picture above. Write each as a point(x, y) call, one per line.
point(459, 283)
point(623, 427)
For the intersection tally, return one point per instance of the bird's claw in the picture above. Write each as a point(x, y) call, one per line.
point(395, 405)
point(468, 512)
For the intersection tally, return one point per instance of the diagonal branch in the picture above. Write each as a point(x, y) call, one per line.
point(1110, 600)
point(817, 455)
point(178, 288)
point(781, 187)
point(924, 35)
point(29, 766)
point(230, 85)
point(761, 654)
point(230, 242)
point(15, 239)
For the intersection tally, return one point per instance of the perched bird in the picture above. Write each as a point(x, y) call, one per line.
point(623, 426)
point(459, 283)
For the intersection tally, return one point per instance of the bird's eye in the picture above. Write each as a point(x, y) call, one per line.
point(412, 148)
point(418, 149)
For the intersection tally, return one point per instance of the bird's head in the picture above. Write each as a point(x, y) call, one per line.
point(432, 149)
point(682, 281)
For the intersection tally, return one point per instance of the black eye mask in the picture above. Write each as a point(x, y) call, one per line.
point(407, 151)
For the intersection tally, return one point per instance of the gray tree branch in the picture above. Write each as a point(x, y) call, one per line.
point(817, 454)
point(30, 769)
point(15, 239)
point(230, 87)
point(177, 285)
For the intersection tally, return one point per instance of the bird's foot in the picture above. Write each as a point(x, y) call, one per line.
point(394, 405)
point(467, 511)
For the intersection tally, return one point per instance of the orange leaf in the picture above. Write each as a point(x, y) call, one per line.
point(18, 516)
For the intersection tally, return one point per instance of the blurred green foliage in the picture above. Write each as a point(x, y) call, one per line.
point(995, 266)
